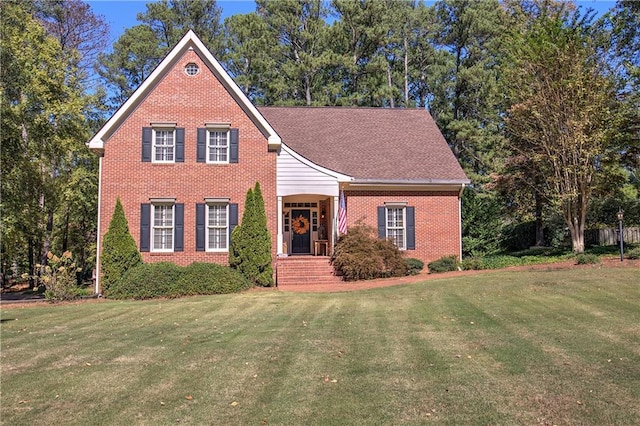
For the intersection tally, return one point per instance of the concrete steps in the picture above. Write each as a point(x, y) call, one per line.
point(305, 270)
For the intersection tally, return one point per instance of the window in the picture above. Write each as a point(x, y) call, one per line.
point(217, 227)
point(217, 146)
point(191, 69)
point(396, 226)
point(162, 227)
point(164, 145)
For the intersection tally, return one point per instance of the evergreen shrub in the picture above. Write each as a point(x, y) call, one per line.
point(634, 253)
point(164, 279)
point(119, 250)
point(250, 249)
point(586, 259)
point(414, 266)
point(359, 255)
point(444, 264)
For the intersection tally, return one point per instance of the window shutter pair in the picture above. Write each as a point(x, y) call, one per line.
point(201, 145)
point(201, 223)
point(145, 227)
point(411, 225)
point(147, 143)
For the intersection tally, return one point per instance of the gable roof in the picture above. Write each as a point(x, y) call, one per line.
point(376, 145)
point(189, 41)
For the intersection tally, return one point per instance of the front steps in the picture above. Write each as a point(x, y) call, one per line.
point(305, 270)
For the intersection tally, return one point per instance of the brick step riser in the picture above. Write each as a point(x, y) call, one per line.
point(306, 271)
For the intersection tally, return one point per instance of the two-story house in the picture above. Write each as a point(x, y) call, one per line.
point(184, 149)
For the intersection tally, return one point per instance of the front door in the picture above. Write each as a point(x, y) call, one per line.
point(301, 231)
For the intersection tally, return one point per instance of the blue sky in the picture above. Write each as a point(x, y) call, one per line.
point(121, 14)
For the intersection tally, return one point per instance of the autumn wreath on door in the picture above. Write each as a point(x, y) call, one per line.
point(300, 225)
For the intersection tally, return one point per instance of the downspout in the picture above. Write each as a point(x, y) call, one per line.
point(460, 218)
point(98, 268)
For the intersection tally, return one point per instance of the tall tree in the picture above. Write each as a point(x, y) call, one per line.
point(301, 50)
point(247, 45)
point(43, 132)
point(467, 103)
point(564, 112)
point(82, 34)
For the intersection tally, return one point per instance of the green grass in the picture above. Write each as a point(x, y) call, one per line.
point(544, 347)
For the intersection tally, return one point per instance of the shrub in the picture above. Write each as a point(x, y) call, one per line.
point(210, 278)
point(250, 251)
point(59, 278)
point(586, 259)
point(444, 264)
point(633, 253)
point(414, 266)
point(164, 279)
point(119, 250)
point(472, 264)
point(359, 255)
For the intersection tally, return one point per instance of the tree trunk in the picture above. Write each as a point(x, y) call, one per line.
point(389, 83)
point(406, 73)
point(539, 224)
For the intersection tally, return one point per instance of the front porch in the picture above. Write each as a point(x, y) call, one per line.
point(306, 225)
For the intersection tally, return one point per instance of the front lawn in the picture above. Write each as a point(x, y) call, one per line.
point(538, 347)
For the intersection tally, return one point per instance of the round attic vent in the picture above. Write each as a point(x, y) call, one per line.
point(191, 69)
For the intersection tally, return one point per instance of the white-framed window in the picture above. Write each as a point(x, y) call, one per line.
point(396, 226)
point(217, 227)
point(162, 227)
point(164, 145)
point(217, 146)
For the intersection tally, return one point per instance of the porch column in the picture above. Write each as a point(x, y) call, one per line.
point(279, 241)
point(334, 215)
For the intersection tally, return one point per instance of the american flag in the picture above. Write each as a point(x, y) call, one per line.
point(342, 215)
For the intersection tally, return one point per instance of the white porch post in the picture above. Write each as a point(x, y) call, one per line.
point(334, 215)
point(279, 251)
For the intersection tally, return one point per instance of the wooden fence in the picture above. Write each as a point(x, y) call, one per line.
point(610, 236)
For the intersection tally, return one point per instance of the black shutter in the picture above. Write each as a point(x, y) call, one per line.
point(147, 135)
point(233, 218)
point(233, 145)
point(145, 227)
point(200, 226)
point(180, 145)
point(411, 228)
point(201, 146)
point(382, 222)
point(178, 227)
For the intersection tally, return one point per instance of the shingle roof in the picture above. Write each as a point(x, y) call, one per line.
point(368, 143)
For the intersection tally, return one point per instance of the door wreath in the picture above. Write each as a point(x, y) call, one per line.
point(300, 225)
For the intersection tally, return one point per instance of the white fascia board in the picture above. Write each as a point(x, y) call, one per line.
point(97, 142)
point(338, 176)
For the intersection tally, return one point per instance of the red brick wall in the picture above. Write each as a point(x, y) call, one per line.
point(190, 101)
point(436, 214)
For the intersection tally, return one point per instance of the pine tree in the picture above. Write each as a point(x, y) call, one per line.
point(119, 250)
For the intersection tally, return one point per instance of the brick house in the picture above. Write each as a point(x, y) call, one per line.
point(184, 149)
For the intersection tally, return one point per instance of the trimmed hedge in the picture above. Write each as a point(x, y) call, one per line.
point(164, 279)
point(414, 266)
point(444, 264)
